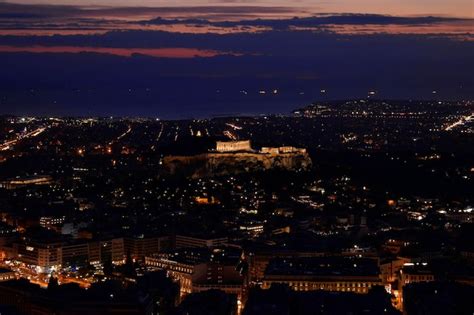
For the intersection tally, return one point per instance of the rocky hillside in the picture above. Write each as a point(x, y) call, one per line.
point(215, 164)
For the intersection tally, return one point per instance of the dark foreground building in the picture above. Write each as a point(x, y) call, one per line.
point(26, 298)
point(211, 302)
point(281, 300)
point(438, 298)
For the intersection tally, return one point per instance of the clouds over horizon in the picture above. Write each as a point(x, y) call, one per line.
point(212, 12)
point(30, 18)
point(460, 8)
point(22, 19)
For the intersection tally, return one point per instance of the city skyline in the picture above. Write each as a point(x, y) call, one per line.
point(361, 206)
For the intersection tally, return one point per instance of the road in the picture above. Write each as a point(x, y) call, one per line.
point(7, 145)
point(460, 122)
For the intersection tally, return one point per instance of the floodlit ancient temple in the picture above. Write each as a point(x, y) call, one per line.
point(246, 146)
point(233, 146)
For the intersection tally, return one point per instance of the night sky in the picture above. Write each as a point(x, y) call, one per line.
point(193, 58)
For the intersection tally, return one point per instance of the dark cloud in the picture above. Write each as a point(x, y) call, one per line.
point(37, 11)
point(398, 66)
point(63, 11)
point(274, 42)
point(327, 19)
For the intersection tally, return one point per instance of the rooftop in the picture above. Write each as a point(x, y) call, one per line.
point(323, 266)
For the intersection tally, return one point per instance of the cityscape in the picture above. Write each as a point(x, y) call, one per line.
point(241, 210)
point(236, 158)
